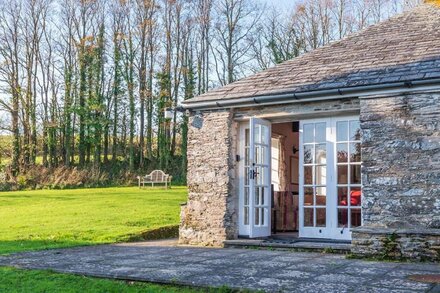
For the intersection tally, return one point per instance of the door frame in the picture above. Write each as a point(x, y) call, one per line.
point(331, 230)
point(243, 230)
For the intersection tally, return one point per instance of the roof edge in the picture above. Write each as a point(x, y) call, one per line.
point(292, 97)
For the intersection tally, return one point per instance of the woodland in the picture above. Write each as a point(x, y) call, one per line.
point(85, 84)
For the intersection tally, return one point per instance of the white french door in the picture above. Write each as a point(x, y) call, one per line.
point(255, 195)
point(330, 182)
point(315, 166)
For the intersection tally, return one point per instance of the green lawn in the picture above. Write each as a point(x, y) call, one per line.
point(44, 219)
point(61, 218)
point(13, 280)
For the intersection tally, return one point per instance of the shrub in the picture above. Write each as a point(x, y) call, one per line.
point(22, 181)
point(111, 174)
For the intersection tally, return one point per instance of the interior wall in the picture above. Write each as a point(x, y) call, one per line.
point(285, 178)
point(290, 140)
point(275, 164)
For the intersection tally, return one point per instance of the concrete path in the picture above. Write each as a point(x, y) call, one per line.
point(271, 271)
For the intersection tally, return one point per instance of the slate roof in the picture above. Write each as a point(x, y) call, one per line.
point(404, 48)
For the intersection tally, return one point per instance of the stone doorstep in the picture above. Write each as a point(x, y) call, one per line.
point(299, 244)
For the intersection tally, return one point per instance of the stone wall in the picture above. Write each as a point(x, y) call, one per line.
point(400, 175)
point(210, 217)
point(420, 244)
point(211, 213)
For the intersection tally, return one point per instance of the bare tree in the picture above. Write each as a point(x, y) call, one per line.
point(96, 78)
point(10, 50)
point(235, 22)
point(203, 19)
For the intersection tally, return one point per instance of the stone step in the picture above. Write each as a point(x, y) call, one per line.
point(293, 244)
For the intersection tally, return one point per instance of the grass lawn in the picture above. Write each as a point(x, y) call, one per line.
point(44, 219)
point(61, 218)
point(13, 280)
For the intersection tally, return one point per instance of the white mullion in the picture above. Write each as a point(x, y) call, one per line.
point(348, 177)
point(332, 186)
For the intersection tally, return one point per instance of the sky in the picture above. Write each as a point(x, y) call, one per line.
point(281, 3)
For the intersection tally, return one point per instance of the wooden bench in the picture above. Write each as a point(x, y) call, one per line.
point(157, 176)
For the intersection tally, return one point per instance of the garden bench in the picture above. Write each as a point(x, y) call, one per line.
point(156, 176)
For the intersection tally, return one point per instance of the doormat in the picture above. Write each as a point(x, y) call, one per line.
point(425, 278)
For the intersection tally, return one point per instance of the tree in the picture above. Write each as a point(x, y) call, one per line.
point(235, 22)
point(96, 79)
point(10, 45)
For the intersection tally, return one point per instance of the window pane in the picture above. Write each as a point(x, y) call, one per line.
point(257, 175)
point(257, 216)
point(321, 197)
point(320, 129)
point(257, 195)
point(355, 152)
point(355, 217)
point(261, 175)
point(308, 217)
point(355, 130)
point(247, 175)
point(262, 211)
point(263, 151)
point(262, 195)
point(320, 218)
point(246, 156)
point(308, 175)
point(246, 215)
point(342, 196)
point(308, 133)
point(342, 130)
point(246, 134)
point(321, 154)
point(308, 154)
point(246, 196)
point(308, 196)
point(342, 217)
point(342, 174)
point(257, 154)
point(355, 174)
point(257, 136)
point(342, 152)
point(321, 175)
point(356, 196)
point(264, 134)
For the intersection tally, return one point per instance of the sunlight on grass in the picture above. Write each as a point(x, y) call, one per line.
point(62, 218)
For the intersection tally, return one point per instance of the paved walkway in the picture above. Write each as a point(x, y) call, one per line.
point(236, 268)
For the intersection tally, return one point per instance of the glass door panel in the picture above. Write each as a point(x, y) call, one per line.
point(349, 185)
point(259, 177)
point(314, 164)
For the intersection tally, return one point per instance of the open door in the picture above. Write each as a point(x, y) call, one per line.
point(259, 178)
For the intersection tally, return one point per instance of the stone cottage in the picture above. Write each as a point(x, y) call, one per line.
point(342, 143)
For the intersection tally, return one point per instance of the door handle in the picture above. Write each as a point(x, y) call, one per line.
point(253, 174)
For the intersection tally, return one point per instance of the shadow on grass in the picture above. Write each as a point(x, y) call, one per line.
point(165, 232)
point(14, 246)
